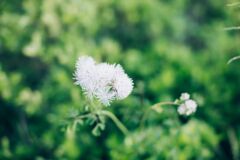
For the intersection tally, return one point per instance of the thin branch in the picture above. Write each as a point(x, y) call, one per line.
point(232, 28)
point(234, 143)
point(233, 4)
point(155, 107)
point(162, 104)
point(233, 59)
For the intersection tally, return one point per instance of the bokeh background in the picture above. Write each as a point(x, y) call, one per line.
point(166, 46)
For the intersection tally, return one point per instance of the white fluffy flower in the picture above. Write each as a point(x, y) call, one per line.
point(184, 96)
point(104, 81)
point(188, 107)
point(84, 75)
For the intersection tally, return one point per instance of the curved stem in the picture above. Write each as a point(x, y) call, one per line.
point(116, 121)
point(233, 4)
point(162, 104)
point(232, 28)
point(154, 107)
point(233, 59)
point(165, 103)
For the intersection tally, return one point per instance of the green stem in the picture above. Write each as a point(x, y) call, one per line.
point(233, 143)
point(83, 116)
point(232, 28)
point(233, 4)
point(154, 107)
point(116, 121)
point(233, 59)
point(162, 104)
point(166, 103)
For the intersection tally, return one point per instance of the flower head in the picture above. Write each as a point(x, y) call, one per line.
point(187, 106)
point(106, 82)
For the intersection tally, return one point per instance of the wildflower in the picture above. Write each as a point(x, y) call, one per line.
point(187, 105)
point(85, 76)
point(106, 82)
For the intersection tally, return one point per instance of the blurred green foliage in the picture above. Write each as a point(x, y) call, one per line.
point(166, 46)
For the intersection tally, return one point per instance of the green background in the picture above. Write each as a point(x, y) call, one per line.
point(166, 46)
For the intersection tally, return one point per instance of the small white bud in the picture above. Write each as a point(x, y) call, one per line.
point(184, 96)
